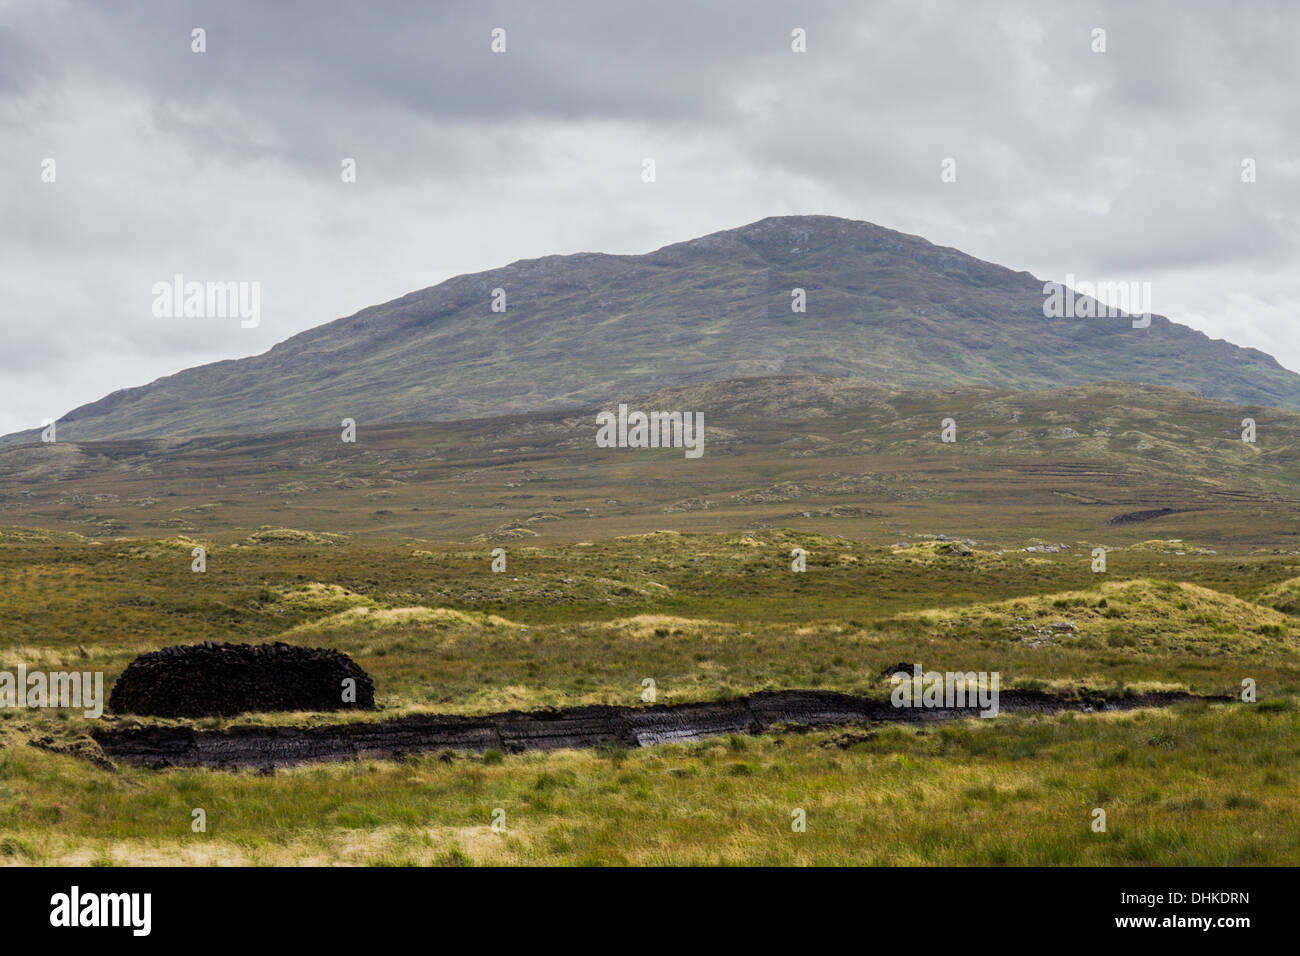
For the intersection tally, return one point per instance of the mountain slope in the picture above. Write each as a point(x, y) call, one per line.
point(1108, 463)
point(593, 328)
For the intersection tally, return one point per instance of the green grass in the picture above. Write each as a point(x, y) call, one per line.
point(1198, 785)
point(706, 616)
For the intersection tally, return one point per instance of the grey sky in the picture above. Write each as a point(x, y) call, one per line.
point(1123, 165)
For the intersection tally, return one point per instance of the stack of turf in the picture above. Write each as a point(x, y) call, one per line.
point(199, 680)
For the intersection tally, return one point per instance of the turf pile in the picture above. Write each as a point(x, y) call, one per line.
point(208, 679)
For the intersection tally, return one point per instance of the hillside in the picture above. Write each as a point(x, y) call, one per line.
point(1109, 462)
point(589, 328)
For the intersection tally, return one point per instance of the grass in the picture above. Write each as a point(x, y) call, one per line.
point(832, 457)
point(1199, 785)
point(623, 566)
point(706, 616)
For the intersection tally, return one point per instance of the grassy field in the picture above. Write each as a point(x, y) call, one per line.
point(821, 456)
point(1200, 785)
point(705, 616)
point(624, 565)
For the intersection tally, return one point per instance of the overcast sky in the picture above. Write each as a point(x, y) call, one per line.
point(225, 165)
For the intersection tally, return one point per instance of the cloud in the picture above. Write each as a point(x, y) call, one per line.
point(225, 165)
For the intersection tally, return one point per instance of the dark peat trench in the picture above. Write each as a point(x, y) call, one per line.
point(266, 747)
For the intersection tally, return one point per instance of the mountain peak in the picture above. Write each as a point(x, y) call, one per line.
point(797, 231)
point(591, 329)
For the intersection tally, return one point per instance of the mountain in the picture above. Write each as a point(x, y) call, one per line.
point(1106, 462)
point(590, 328)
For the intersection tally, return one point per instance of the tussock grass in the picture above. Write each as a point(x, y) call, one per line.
point(1285, 596)
point(1141, 614)
point(706, 616)
point(293, 536)
point(1197, 785)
